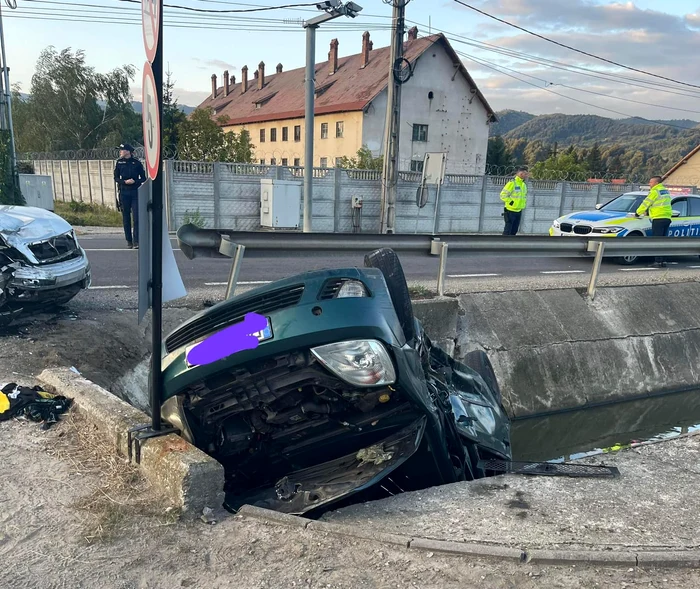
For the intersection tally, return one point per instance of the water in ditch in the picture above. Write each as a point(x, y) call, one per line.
point(588, 432)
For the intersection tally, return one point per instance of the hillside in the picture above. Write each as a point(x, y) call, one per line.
point(509, 120)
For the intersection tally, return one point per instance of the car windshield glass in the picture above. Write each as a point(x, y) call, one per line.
point(624, 204)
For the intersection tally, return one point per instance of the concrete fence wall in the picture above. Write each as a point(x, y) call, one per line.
point(227, 196)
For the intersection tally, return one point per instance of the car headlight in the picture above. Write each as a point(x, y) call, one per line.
point(607, 230)
point(361, 363)
point(556, 224)
point(351, 289)
point(173, 412)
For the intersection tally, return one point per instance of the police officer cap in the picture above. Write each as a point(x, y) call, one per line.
point(126, 147)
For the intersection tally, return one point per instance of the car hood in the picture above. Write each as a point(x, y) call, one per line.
point(20, 225)
point(594, 216)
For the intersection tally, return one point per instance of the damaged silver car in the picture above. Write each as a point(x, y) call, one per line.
point(41, 260)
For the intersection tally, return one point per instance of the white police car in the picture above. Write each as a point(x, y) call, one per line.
point(612, 220)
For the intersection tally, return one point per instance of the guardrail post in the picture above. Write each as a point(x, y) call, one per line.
point(235, 270)
point(599, 249)
point(443, 268)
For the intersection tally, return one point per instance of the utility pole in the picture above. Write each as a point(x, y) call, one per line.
point(7, 106)
point(390, 174)
point(333, 9)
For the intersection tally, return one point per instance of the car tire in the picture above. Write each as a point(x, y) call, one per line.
point(479, 362)
point(387, 261)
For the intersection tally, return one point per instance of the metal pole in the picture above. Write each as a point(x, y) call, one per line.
point(157, 252)
point(309, 121)
point(235, 271)
point(390, 175)
point(8, 94)
point(443, 268)
point(599, 249)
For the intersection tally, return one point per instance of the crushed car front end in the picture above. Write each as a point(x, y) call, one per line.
point(332, 401)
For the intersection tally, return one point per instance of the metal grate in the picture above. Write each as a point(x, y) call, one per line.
point(233, 312)
point(561, 469)
point(582, 229)
point(566, 227)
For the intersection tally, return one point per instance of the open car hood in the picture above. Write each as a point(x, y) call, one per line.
point(23, 225)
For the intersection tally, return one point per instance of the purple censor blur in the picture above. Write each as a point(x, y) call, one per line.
point(235, 338)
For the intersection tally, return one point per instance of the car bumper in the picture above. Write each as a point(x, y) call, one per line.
point(53, 276)
point(554, 232)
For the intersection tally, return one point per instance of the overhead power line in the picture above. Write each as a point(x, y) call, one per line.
point(586, 53)
point(232, 10)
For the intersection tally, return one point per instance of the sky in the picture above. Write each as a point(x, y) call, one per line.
point(659, 37)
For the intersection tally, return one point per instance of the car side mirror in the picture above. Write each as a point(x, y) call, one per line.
point(676, 213)
point(598, 206)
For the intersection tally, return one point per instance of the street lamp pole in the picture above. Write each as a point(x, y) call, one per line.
point(333, 9)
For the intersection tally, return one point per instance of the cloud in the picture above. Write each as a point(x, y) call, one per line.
point(213, 64)
point(658, 42)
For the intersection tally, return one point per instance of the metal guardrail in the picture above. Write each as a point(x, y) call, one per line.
point(195, 242)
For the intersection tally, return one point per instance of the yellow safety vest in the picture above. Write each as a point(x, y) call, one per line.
point(514, 195)
point(658, 202)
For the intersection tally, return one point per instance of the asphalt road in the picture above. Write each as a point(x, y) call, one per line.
point(115, 267)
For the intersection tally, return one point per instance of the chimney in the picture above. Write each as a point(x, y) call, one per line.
point(232, 83)
point(371, 45)
point(244, 79)
point(412, 33)
point(227, 82)
point(213, 86)
point(365, 49)
point(279, 68)
point(261, 75)
point(333, 57)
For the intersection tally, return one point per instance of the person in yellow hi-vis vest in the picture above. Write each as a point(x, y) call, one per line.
point(658, 205)
point(514, 197)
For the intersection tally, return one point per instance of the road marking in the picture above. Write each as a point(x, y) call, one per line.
point(693, 266)
point(118, 249)
point(470, 275)
point(638, 269)
point(562, 272)
point(108, 287)
point(240, 283)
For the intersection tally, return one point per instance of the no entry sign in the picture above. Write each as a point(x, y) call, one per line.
point(151, 122)
point(150, 22)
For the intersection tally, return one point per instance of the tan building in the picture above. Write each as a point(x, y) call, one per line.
point(442, 110)
point(686, 172)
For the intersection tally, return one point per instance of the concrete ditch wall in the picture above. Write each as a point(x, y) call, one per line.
point(555, 349)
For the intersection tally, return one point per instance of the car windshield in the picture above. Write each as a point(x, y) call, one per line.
point(624, 204)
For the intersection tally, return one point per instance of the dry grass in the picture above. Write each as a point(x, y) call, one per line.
point(118, 498)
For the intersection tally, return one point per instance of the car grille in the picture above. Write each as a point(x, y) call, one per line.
point(63, 247)
point(232, 313)
point(582, 229)
point(566, 227)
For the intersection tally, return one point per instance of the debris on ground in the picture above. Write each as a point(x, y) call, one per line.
point(33, 403)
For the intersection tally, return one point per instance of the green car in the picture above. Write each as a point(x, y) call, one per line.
point(345, 398)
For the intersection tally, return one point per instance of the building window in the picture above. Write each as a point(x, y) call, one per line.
point(324, 130)
point(339, 128)
point(420, 132)
point(416, 165)
point(285, 161)
point(285, 133)
point(297, 133)
point(262, 162)
point(273, 162)
point(338, 162)
point(324, 162)
point(297, 162)
point(262, 135)
point(273, 134)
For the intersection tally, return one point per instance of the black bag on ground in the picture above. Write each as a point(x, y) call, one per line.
point(33, 403)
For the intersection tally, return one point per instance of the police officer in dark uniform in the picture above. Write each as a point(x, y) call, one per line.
point(129, 176)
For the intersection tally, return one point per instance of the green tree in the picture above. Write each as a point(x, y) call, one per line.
point(71, 106)
point(363, 160)
point(594, 160)
point(535, 151)
point(561, 167)
point(201, 138)
point(498, 154)
point(172, 115)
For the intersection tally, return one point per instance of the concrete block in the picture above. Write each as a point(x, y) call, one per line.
point(185, 475)
point(359, 533)
point(594, 557)
point(275, 517)
point(464, 549)
point(672, 559)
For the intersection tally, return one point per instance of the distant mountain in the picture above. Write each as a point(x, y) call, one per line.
point(184, 108)
point(509, 120)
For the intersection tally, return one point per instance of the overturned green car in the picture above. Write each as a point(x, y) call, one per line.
point(345, 398)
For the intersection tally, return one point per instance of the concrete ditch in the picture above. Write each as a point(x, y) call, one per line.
point(555, 349)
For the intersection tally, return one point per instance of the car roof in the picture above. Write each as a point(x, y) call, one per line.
point(643, 193)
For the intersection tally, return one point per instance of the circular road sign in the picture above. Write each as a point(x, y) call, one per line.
point(150, 23)
point(151, 122)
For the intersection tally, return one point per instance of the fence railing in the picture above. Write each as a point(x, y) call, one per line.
point(195, 243)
